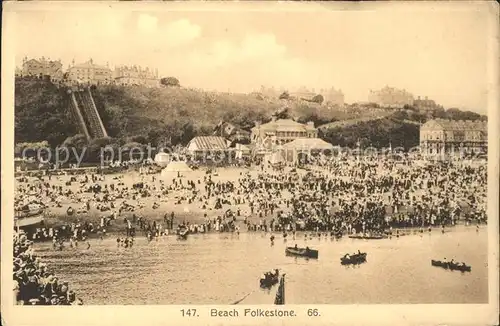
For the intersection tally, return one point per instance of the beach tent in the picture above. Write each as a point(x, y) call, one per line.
point(242, 151)
point(162, 159)
point(297, 149)
point(308, 144)
point(174, 167)
point(274, 158)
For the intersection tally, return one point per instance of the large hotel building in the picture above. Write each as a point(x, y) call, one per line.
point(440, 137)
point(135, 75)
point(89, 73)
point(391, 97)
point(43, 67)
point(282, 131)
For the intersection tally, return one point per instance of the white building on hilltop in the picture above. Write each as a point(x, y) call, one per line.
point(135, 75)
point(89, 73)
point(391, 97)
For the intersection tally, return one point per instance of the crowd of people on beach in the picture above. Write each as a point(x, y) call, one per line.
point(345, 196)
point(34, 283)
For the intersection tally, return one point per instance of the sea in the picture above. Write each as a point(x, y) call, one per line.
point(224, 268)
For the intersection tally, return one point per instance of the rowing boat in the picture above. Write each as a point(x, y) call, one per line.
point(302, 252)
point(451, 266)
point(353, 259)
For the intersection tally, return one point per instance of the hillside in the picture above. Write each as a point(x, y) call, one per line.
point(156, 115)
point(41, 112)
point(379, 132)
point(183, 113)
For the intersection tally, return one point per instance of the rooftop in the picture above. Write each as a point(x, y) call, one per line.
point(308, 144)
point(286, 125)
point(456, 124)
point(209, 143)
point(90, 64)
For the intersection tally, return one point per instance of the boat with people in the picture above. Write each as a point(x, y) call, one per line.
point(269, 279)
point(353, 259)
point(451, 265)
point(301, 252)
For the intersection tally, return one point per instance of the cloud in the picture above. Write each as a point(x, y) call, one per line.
point(251, 61)
point(147, 23)
point(261, 45)
point(180, 32)
point(252, 48)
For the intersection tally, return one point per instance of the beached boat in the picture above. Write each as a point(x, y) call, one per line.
point(451, 266)
point(270, 279)
point(367, 237)
point(301, 252)
point(353, 259)
point(28, 215)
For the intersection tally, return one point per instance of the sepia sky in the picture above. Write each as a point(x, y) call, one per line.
point(433, 50)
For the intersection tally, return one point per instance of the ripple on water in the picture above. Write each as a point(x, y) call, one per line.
point(220, 269)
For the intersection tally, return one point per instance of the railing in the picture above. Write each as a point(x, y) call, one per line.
point(91, 115)
point(79, 116)
point(101, 125)
point(85, 114)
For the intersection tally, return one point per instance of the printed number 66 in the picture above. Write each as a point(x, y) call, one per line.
point(312, 312)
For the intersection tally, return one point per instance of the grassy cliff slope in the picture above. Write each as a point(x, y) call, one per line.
point(178, 114)
point(41, 112)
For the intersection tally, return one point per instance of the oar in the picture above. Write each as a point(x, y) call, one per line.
point(236, 302)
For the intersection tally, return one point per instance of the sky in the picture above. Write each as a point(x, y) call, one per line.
point(433, 50)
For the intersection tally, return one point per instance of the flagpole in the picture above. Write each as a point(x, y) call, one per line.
point(280, 294)
point(283, 290)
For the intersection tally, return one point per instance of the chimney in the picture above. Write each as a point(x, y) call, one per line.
point(257, 123)
point(310, 123)
point(273, 118)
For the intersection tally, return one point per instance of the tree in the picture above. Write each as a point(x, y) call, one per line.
point(76, 146)
point(187, 133)
point(79, 141)
point(138, 139)
point(132, 151)
point(400, 115)
point(30, 149)
point(318, 99)
point(284, 96)
point(283, 114)
point(170, 82)
point(409, 107)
